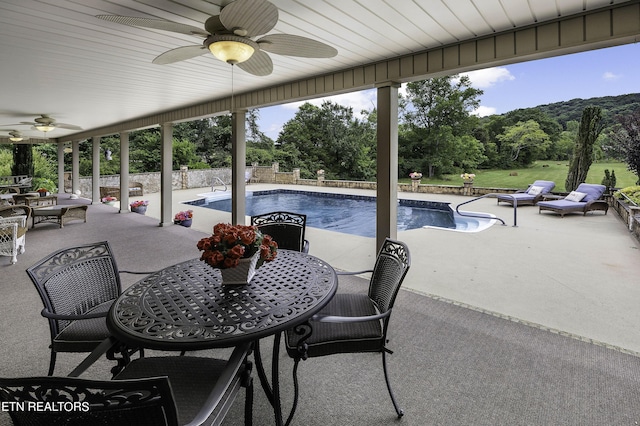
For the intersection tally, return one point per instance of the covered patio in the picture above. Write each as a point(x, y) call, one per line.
point(527, 325)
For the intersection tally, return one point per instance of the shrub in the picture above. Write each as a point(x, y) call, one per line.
point(631, 192)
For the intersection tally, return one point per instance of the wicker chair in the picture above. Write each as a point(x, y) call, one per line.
point(77, 286)
point(353, 323)
point(13, 242)
point(287, 229)
point(149, 391)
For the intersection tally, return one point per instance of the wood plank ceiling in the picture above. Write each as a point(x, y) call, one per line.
point(57, 58)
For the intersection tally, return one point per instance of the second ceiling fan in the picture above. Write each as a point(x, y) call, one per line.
point(229, 36)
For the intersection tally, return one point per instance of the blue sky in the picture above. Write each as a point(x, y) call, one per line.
point(604, 72)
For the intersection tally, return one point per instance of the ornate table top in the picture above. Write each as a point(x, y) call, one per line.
point(185, 307)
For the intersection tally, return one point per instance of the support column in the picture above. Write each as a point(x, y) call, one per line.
point(124, 172)
point(95, 171)
point(61, 168)
point(238, 166)
point(75, 166)
point(387, 163)
point(166, 169)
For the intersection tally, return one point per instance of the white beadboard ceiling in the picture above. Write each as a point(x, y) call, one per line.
point(57, 58)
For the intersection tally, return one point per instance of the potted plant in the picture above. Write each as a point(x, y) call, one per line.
point(109, 200)
point(43, 191)
point(415, 175)
point(183, 218)
point(467, 177)
point(237, 250)
point(139, 206)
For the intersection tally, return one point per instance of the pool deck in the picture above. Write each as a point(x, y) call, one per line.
point(578, 274)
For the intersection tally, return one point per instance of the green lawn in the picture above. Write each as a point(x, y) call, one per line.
point(545, 170)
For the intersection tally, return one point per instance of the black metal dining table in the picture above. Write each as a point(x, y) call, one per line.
point(185, 307)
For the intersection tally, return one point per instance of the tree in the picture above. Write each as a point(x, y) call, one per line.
point(436, 114)
point(590, 128)
point(524, 142)
point(626, 139)
point(22, 159)
point(328, 137)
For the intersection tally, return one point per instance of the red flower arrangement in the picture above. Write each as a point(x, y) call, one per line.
point(230, 243)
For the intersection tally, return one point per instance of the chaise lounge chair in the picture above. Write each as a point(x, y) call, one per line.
point(530, 196)
point(585, 198)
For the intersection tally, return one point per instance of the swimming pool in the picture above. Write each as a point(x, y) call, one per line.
point(347, 213)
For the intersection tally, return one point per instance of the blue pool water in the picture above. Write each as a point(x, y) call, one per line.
point(351, 214)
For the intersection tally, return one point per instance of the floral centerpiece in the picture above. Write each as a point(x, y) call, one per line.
point(42, 191)
point(467, 177)
point(415, 175)
point(230, 243)
point(109, 199)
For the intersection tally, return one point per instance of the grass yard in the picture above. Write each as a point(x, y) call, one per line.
point(545, 170)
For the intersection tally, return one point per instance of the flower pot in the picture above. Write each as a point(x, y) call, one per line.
point(186, 223)
point(109, 203)
point(139, 210)
point(241, 274)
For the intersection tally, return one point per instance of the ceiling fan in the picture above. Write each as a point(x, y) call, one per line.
point(45, 124)
point(229, 36)
point(14, 135)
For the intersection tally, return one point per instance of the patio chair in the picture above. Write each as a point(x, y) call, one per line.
point(586, 198)
point(11, 238)
point(149, 391)
point(10, 215)
point(287, 229)
point(529, 196)
point(77, 286)
point(353, 323)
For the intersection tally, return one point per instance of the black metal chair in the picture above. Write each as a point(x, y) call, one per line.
point(149, 391)
point(355, 322)
point(287, 229)
point(77, 286)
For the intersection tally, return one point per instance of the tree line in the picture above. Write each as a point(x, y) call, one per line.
point(438, 134)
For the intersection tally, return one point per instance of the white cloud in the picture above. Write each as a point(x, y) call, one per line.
point(610, 76)
point(483, 111)
point(486, 78)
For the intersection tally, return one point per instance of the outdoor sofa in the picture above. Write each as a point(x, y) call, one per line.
point(586, 198)
point(135, 190)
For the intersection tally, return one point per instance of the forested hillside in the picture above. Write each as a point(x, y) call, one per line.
point(611, 106)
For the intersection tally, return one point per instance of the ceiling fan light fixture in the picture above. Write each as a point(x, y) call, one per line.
point(15, 138)
point(231, 49)
point(45, 127)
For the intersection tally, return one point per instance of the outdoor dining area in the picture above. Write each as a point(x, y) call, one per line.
point(247, 353)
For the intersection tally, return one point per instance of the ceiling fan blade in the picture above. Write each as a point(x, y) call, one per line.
point(157, 24)
point(67, 126)
point(293, 45)
point(259, 64)
point(180, 54)
point(249, 18)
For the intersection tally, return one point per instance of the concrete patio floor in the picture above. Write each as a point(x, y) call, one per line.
point(578, 275)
